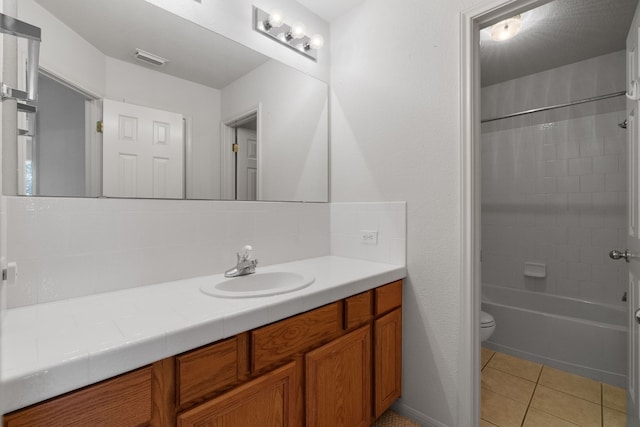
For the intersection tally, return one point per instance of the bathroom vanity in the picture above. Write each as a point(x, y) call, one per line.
point(336, 361)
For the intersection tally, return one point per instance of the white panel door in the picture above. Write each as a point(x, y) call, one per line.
point(247, 164)
point(143, 152)
point(633, 235)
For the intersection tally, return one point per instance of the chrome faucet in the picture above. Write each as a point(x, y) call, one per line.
point(246, 265)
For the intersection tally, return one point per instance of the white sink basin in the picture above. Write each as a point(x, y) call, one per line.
point(257, 285)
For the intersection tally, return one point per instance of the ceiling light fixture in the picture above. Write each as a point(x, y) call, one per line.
point(507, 29)
point(294, 36)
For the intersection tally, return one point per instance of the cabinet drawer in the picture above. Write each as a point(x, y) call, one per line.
point(388, 297)
point(277, 342)
point(121, 401)
point(206, 370)
point(358, 309)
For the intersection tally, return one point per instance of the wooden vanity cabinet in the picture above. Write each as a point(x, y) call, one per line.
point(387, 348)
point(123, 401)
point(338, 382)
point(387, 354)
point(337, 365)
point(265, 401)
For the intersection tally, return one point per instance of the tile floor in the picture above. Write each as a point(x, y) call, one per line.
point(517, 392)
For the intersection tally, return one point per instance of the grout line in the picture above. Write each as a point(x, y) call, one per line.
point(535, 387)
point(601, 405)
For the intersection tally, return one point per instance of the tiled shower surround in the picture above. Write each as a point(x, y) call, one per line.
point(555, 193)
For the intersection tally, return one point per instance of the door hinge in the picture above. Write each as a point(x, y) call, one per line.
point(235, 148)
point(100, 126)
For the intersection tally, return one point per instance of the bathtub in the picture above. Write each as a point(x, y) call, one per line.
point(577, 336)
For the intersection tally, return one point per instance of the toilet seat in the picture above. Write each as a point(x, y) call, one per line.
point(486, 320)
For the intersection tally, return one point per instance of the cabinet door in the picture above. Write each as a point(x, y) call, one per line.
point(264, 402)
point(338, 386)
point(387, 360)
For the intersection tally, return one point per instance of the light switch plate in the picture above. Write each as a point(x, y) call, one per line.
point(369, 237)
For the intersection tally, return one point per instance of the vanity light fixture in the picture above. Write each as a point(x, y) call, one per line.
point(150, 58)
point(294, 36)
point(507, 29)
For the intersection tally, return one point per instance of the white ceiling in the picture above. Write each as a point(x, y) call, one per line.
point(329, 9)
point(118, 27)
point(558, 33)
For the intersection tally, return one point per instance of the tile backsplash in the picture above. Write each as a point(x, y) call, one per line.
point(71, 247)
point(348, 220)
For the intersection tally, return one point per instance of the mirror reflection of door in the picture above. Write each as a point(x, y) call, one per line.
point(143, 152)
point(246, 164)
point(56, 144)
point(244, 168)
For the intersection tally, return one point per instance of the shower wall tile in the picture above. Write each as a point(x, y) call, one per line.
point(556, 193)
point(581, 166)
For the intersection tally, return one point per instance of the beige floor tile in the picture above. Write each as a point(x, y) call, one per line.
point(484, 423)
point(500, 410)
point(537, 418)
point(575, 385)
point(614, 397)
point(508, 385)
point(485, 356)
point(515, 366)
point(567, 407)
point(613, 418)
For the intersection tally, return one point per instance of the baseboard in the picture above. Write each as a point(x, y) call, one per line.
point(417, 416)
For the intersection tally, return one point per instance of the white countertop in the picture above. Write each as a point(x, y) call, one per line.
point(49, 349)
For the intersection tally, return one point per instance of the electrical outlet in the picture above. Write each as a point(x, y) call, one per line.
point(369, 237)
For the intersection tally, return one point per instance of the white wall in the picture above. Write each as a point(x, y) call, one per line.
point(234, 19)
point(395, 136)
point(293, 126)
point(138, 85)
point(554, 184)
point(63, 53)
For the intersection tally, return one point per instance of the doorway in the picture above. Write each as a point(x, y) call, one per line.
point(240, 158)
point(58, 148)
point(471, 178)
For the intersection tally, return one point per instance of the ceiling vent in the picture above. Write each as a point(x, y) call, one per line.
point(150, 58)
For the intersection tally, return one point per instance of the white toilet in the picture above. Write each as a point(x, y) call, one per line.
point(487, 325)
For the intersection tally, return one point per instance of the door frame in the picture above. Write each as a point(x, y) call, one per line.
point(468, 410)
point(227, 164)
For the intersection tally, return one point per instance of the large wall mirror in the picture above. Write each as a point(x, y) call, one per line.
point(135, 101)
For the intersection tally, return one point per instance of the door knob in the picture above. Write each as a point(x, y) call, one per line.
point(637, 314)
point(616, 254)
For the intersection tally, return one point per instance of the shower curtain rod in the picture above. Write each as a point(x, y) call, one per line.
point(553, 107)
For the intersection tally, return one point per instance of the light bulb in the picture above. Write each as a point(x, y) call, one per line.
point(504, 30)
point(276, 18)
point(316, 41)
point(298, 30)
